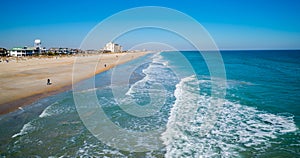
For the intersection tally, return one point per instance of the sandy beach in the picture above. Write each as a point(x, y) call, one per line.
point(24, 81)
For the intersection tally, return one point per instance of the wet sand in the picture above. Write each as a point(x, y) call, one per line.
point(24, 81)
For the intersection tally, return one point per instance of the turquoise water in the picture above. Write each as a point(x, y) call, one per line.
point(259, 116)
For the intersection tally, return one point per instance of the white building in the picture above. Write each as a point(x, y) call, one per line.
point(112, 47)
point(27, 51)
point(23, 51)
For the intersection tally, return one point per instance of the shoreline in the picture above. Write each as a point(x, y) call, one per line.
point(60, 71)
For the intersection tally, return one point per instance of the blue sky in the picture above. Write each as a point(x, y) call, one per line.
point(248, 24)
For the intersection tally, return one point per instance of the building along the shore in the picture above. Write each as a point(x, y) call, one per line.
point(28, 51)
point(112, 47)
point(64, 51)
point(24, 51)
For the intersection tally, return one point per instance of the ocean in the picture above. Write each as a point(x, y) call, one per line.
point(162, 105)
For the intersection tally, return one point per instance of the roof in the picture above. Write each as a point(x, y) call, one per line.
point(23, 48)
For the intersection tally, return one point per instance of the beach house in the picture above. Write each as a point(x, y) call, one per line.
point(24, 51)
point(28, 51)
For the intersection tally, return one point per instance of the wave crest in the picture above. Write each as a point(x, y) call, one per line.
point(237, 127)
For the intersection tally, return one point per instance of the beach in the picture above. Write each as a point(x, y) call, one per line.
point(24, 80)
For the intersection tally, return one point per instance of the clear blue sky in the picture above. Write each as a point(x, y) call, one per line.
point(236, 24)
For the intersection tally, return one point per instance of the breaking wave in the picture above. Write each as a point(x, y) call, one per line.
point(236, 128)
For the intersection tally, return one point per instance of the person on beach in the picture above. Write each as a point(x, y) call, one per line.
point(104, 65)
point(48, 82)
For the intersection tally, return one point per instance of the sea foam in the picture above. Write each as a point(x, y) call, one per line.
point(25, 129)
point(236, 128)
